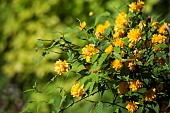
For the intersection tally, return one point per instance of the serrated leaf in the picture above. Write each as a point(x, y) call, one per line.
point(101, 15)
point(102, 58)
point(99, 107)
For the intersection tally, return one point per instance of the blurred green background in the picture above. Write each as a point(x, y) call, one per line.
point(22, 22)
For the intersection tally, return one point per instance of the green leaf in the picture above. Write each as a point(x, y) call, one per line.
point(102, 58)
point(105, 14)
point(92, 87)
point(94, 67)
point(139, 63)
point(94, 77)
point(117, 56)
point(117, 49)
point(126, 40)
point(107, 31)
point(68, 30)
point(38, 106)
point(99, 107)
point(87, 86)
point(51, 101)
point(94, 58)
point(163, 46)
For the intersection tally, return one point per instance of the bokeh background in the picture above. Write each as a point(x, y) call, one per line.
point(22, 22)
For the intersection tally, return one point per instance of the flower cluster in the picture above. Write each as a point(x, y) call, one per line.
point(132, 106)
point(88, 51)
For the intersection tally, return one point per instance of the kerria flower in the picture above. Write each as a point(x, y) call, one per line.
point(155, 24)
point(162, 29)
point(121, 19)
point(117, 64)
point(61, 66)
point(158, 39)
point(122, 88)
point(77, 91)
point(136, 6)
point(118, 42)
point(150, 95)
point(134, 36)
point(141, 25)
point(132, 66)
point(109, 49)
point(88, 51)
point(82, 25)
point(101, 29)
point(132, 106)
point(135, 85)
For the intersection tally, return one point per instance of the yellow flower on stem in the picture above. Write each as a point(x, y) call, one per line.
point(77, 91)
point(61, 67)
point(82, 25)
point(162, 29)
point(134, 35)
point(123, 88)
point(88, 51)
point(135, 85)
point(158, 39)
point(141, 25)
point(100, 29)
point(109, 49)
point(119, 42)
point(117, 64)
point(121, 19)
point(150, 95)
point(136, 6)
point(132, 106)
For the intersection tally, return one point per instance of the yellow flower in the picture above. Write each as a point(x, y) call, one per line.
point(109, 49)
point(88, 51)
point(158, 39)
point(136, 7)
point(162, 29)
point(119, 42)
point(100, 29)
point(91, 13)
point(119, 33)
point(117, 64)
point(77, 91)
point(121, 19)
point(141, 25)
point(132, 106)
point(131, 66)
point(82, 25)
point(155, 24)
point(135, 85)
point(150, 95)
point(61, 67)
point(134, 35)
point(123, 88)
